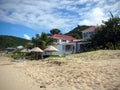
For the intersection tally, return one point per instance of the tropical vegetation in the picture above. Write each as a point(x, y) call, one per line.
point(107, 35)
point(11, 41)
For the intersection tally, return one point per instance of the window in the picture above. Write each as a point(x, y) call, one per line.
point(68, 47)
point(63, 40)
point(85, 35)
point(90, 33)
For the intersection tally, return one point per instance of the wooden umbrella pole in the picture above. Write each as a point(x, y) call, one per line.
point(34, 55)
point(37, 55)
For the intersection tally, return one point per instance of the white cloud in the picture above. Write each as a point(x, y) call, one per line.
point(100, 11)
point(61, 14)
point(94, 17)
point(26, 36)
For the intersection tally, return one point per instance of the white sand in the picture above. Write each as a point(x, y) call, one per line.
point(12, 77)
point(98, 70)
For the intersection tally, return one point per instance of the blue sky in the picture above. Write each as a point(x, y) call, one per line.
point(25, 18)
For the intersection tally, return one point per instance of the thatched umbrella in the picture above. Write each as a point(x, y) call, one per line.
point(25, 51)
point(51, 49)
point(36, 50)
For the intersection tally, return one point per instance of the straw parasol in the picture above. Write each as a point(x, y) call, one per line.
point(37, 50)
point(24, 51)
point(51, 49)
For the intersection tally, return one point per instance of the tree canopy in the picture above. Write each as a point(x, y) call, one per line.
point(108, 34)
point(55, 31)
point(40, 40)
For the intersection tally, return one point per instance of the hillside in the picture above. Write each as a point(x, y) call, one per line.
point(11, 41)
point(76, 32)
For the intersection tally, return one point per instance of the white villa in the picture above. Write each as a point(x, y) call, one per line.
point(86, 34)
point(68, 44)
point(64, 43)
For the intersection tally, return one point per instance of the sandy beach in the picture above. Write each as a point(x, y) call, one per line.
point(13, 77)
point(97, 70)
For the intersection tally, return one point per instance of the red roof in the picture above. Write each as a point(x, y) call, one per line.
point(90, 28)
point(65, 37)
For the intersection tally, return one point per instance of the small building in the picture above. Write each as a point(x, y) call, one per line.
point(64, 44)
point(20, 47)
point(9, 49)
point(86, 35)
point(80, 45)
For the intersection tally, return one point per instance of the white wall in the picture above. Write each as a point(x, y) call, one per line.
point(87, 34)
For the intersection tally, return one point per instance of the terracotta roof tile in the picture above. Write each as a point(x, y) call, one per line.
point(60, 36)
point(90, 28)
